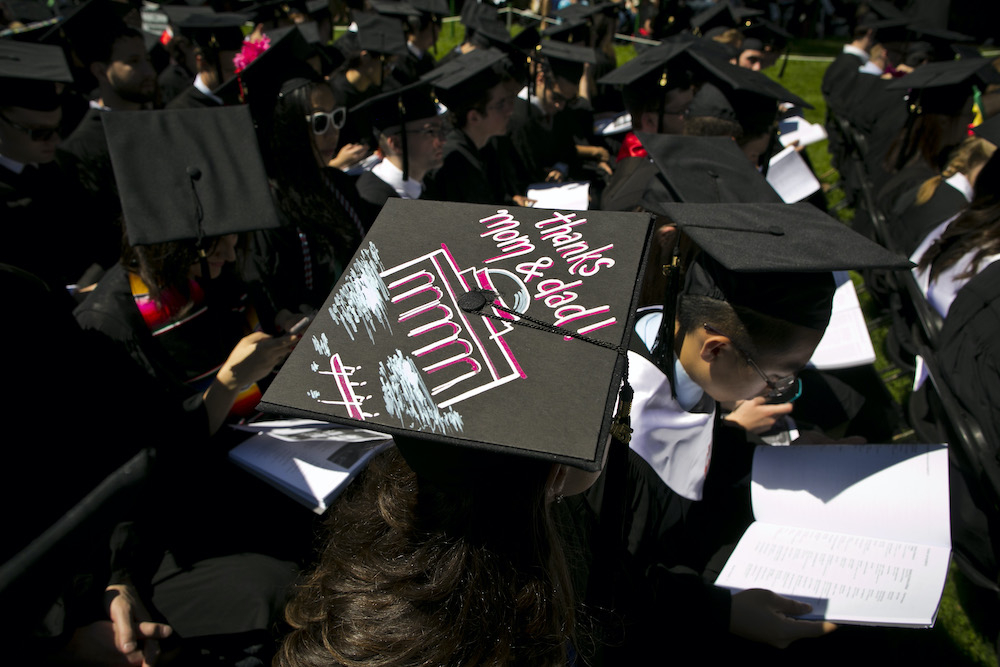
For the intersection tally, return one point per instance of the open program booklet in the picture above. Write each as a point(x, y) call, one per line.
point(310, 461)
point(860, 532)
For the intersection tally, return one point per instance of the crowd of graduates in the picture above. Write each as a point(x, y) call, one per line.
point(183, 185)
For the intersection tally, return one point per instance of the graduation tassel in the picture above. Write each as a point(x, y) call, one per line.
point(402, 121)
point(784, 64)
point(663, 348)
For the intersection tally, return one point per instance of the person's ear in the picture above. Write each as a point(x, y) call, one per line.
point(99, 70)
point(556, 481)
point(647, 122)
point(713, 346)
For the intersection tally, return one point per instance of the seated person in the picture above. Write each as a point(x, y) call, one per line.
point(410, 135)
point(476, 89)
point(174, 303)
point(735, 336)
point(217, 39)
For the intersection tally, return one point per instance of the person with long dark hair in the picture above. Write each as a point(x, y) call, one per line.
point(297, 264)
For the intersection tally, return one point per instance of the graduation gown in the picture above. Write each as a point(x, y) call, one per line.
point(467, 174)
point(374, 192)
point(540, 145)
point(192, 98)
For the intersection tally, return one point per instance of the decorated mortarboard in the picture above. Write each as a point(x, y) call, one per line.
point(391, 110)
point(207, 180)
point(29, 74)
point(467, 78)
point(216, 31)
point(772, 258)
point(380, 35)
point(705, 170)
point(459, 323)
point(725, 15)
point(285, 57)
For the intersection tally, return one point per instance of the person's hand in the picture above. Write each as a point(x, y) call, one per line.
point(257, 34)
point(521, 200)
point(348, 155)
point(758, 416)
point(555, 176)
point(766, 617)
point(136, 636)
point(253, 358)
point(904, 68)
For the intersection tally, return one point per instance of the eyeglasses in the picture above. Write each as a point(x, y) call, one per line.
point(322, 121)
point(34, 133)
point(777, 389)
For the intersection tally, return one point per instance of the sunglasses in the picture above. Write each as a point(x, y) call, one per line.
point(34, 133)
point(322, 121)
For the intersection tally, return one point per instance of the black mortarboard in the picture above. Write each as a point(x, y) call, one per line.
point(775, 259)
point(282, 60)
point(177, 13)
point(941, 87)
point(317, 8)
point(705, 170)
point(215, 32)
point(207, 178)
point(742, 79)
point(766, 34)
point(886, 31)
point(29, 74)
point(989, 130)
point(413, 342)
point(566, 60)
point(28, 11)
point(380, 35)
point(395, 108)
point(568, 29)
point(725, 15)
point(883, 9)
point(398, 9)
point(469, 77)
point(653, 62)
point(436, 8)
point(488, 28)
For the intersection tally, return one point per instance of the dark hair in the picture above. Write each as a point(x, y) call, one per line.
point(99, 47)
point(711, 126)
point(163, 266)
point(978, 228)
point(461, 107)
point(301, 190)
point(754, 333)
point(426, 572)
point(927, 137)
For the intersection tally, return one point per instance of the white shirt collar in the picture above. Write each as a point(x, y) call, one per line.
point(871, 68)
point(855, 51)
point(200, 85)
point(961, 183)
point(393, 176)
point(94, 104)
point(13, 165)
point(689, 393)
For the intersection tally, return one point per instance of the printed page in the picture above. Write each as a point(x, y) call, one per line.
point(846, 579)
point(846, 342)
point(892, 492)
point(573, 196)
point(799, 129)
point(310, 468)
point(791, 177)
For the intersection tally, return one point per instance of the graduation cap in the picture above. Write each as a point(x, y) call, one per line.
point(940, 87)
point(708, 170)
point(989, 130)
point(652, 74)
point(565, 60)
point(214, 32)
point(29, 74)
point(435, 334)
point(723, 14)
point(570, 29)
point(207, 179)
point(380, 35)
point(762, 35)
point(176, 14)
point(468, 78)
point(772, 258)
point(487, 26)
point(436, 8)
point(745, 80)
point(29, 11)
point(939, 40)
point(399, 9)
point(283, 59)
point(395, 108)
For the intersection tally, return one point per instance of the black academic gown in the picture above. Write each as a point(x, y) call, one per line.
point(44, 225)
point(374, 192)
point(173, 80)
point(467, 175)
point(540, 144)
point(911, 225)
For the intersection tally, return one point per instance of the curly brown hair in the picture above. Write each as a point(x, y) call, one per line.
point(418, 571)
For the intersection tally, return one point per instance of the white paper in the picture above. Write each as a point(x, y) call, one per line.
point(861, 532)
point(574, 196)
point(613, 124)
point(312, 465)
point(799, 129)
point(846, 342)
point(791, 177)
